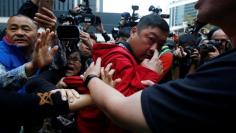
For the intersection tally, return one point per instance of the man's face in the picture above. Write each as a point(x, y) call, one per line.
point(21, 31)
point(213, 11)
point(221, 37)
point(144, 42)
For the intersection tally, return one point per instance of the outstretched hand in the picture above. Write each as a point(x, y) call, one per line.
point(42, 54)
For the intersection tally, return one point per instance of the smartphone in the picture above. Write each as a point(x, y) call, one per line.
point(45, 3)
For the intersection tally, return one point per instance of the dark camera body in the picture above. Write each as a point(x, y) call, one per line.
point(84, 15)
point(68, 32)
point(156, 10)
point(69, 37)
point(208, 46)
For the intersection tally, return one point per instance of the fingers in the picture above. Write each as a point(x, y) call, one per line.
point(82, 77)
point(147, 82)
point(155, 55)
point(98, 62)
point(47, 19)
point(53, 50)
point(37, 44)
point(117, 81)
point(94, 68)
point(75, 93)
point(67, 94)
point(102, 73)
point(48, 12)
point(108, 67)
point(145, 61)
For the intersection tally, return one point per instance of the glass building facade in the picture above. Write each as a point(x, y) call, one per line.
point(180, 13)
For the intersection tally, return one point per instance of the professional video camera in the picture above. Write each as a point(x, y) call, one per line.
point(126, 23)
point(82, 15)
point(158, 11)
point(69, 33)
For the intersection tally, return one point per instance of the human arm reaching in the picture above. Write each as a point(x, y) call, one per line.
point(125, 111)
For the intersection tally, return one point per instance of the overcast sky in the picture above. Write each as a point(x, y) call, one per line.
point(119, 6)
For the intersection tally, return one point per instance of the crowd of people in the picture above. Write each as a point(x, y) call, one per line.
point(143, 81)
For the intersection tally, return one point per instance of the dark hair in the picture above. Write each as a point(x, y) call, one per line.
point(211, 32)
point(153, 20)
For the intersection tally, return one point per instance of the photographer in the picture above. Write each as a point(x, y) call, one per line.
point(122, 32)
point(223, 43)
point(82, 12)
point(217, 42)
point(186, 56)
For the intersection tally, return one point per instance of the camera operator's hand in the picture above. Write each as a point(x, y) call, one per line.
point(213, 54)
point(154, 63)
point(46, 20)
point(42, 56)
point(85, 37)
point(107, 75)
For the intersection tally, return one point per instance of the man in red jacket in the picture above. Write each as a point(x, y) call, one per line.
point(134, 61)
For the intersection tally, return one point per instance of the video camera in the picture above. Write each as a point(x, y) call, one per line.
point(69, 34)
point(158, 11)
point(123, 29)
point(82, 15)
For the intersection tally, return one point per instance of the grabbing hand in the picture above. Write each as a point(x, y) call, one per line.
point(107, 74)
point(67, 94)
point(93, 69)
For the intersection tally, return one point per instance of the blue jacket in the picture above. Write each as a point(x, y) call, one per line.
point(10, 56)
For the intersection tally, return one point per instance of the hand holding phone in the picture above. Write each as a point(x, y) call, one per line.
point(46, 4)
